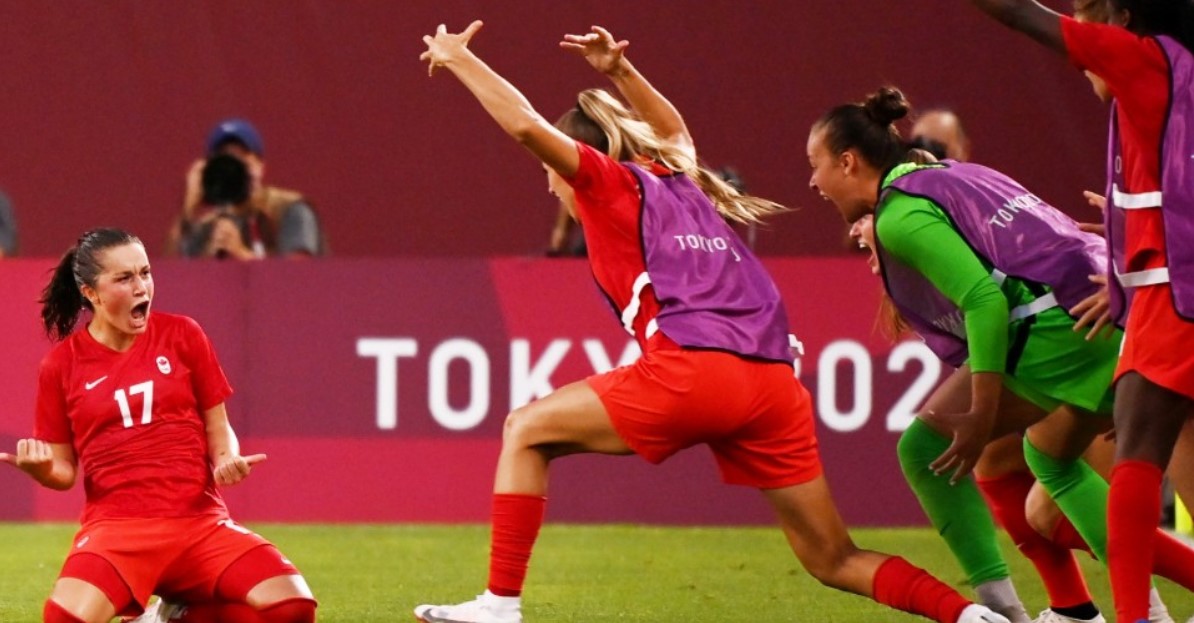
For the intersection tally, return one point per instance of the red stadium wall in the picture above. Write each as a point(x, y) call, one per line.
point(378, 387)
point(107, 103)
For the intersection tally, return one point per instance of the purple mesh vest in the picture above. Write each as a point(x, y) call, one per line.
point(1009, 228)
point(713, 292)
point(1175, 199)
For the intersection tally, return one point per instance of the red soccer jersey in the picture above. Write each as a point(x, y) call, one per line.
point(609, 204)
point(135, 418)
point(1137, 74)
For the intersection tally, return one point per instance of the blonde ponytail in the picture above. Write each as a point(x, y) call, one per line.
point(628, 138)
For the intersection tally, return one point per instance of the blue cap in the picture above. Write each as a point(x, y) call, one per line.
point(238, 130)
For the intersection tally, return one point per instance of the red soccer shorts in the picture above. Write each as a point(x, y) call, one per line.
point(1157, 341)
point(755, 416)
point(182, 557)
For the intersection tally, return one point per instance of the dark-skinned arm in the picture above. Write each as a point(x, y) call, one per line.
point(1029, 17)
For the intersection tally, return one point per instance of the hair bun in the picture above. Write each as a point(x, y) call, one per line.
point(887, 105)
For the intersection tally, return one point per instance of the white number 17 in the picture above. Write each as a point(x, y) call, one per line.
point(122, 399)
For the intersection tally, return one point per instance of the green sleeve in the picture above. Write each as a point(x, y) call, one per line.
point(916, 232)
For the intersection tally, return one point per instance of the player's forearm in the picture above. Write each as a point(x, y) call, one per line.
point(221, 439)
point(508, 107)
point(1029, 17)
point(221, 443)
point(985, 388)
point(60, 476)
point(650, 104)
point(514, 113)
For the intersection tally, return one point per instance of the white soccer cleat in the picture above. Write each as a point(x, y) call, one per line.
point(1049, 616)
point(160, 611)
point(975, 613)
point(483, 609)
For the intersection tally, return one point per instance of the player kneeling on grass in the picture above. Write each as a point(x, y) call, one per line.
point(137, 400)
point(716, 367)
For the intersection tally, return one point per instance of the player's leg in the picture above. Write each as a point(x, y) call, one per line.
point(1181, 465)
point(774, 449)
point(1005, 482)
point(1053, 449)
point(89, 590)
point(958, 511)
point(1148, 420)
point(230, 574)
point(1046, 517)
point(570, 420)
point(818, 537)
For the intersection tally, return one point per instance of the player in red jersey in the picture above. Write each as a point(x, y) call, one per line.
point(1140, 61)
point(135, 401)
point(716, 367)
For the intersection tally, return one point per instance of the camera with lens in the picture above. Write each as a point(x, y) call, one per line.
point(225, 184)
point(225, 181)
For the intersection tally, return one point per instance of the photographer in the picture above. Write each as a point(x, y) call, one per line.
point(216, 228)
point(229, 212)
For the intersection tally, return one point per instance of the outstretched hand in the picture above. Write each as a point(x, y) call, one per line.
point(236, 468)
point(598, 47)
point(970, 433)
point(33, 456)
point(446, 47)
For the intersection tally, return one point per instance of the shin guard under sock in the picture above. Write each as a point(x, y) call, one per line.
point(516, 520)
point(902, 586)
point(1056, 565)
point(1133, 511)
point(1078, 490)
point(956, 511)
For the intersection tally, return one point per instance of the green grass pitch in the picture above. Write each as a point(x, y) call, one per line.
point(367, 573)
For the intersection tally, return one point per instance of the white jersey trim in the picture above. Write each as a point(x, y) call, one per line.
point(1135, 201)
point(631, 310)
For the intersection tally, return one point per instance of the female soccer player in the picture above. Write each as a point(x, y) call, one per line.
point(982, 268)
point(707, 317)
point(136, 400)
point(1142, 61)
point(1004, 481)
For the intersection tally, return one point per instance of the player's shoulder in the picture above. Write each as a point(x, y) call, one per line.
point(174, 327)
point(167, 320)
point(61, 354)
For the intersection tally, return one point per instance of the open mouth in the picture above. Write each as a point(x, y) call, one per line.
point(140, 311)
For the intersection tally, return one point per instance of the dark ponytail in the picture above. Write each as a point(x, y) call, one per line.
point(62, 299)
point(868, 128)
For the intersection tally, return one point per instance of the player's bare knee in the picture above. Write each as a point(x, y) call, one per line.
point(521, 427)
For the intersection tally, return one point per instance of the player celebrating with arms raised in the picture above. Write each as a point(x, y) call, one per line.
point(137, 401)
point(716, 367)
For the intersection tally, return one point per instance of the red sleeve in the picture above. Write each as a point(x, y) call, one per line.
point(50, 421)
point(211, 386)
point(1134, 67)
point(597, 174)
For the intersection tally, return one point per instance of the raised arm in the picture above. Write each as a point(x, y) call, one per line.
point(606, 55)
point(500, 99)
point(1029, 17)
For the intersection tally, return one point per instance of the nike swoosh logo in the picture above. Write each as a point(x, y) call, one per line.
point(82, 542)
point(89, 386)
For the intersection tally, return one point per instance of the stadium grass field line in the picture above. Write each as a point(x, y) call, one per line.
point(580, 573)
